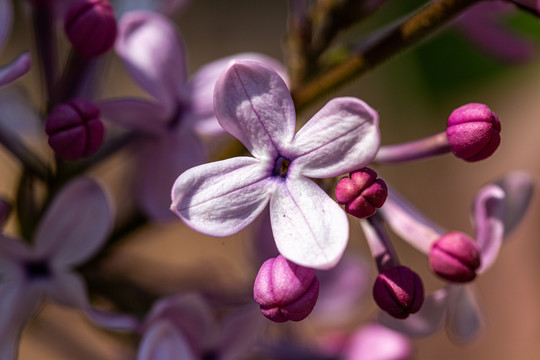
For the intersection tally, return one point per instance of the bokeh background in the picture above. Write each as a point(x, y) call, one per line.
point(414, 93)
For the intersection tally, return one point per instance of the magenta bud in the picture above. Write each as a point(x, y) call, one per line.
point(473, 132)
point(455, 257)
point(285, 290)
point(91, 27)
point(362, 193)
point(399, 291)
point(74, 129)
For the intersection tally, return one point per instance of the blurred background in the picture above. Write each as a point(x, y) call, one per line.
point(414, 93)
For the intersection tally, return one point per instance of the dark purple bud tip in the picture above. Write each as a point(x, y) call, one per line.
point(399, 291)
point(473, 132)
point(361, 193)
point(74, 129)
point(91, 27)
point(285, 291)
point(455, 257)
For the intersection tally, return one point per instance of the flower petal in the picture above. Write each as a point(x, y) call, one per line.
point(464, 317)
point(518, 187)
point(201, 88)
point(343, 136)
point(222, 198)
point(17, 68)
point(241, 329)
point(409, 223)
point(153, 52)
point(310, 229)
point(17, 305)
point(488, 216)
point(426, 321)
point(167, 156)
point(191, 315)
point(253, 104)
point(137, 114)
point(75, 225)
point(164, 342)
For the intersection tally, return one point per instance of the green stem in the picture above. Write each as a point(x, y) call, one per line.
point(405, 34)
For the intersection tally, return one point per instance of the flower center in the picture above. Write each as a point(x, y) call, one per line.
point(37, 269)
point(176, 118)
point(281, 167)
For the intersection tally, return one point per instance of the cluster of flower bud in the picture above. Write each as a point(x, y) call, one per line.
point(362, 193)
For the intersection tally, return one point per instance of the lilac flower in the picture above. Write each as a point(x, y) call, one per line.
point(72, 230)
point(253, 104)
point(498, 208)
point(22, 63)
point(153, 52)
point(183, 327)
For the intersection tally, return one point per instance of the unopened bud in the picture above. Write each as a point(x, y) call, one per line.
point(285, 291)
point(74, 129)
point(91, 27)
point(473, 132)
point(399, 291)
point(455, 257)
point(362, 193)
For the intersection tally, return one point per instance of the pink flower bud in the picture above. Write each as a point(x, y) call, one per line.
point(455, 257)
point(398, 291)
point(473, 132)
point(91, 27)
point(74, 129)
point(285, 291)
point(362, 193)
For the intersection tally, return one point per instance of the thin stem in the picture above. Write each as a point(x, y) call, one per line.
point(405, 34)
point(414, 150)
point(379, 243)
point(43, 16)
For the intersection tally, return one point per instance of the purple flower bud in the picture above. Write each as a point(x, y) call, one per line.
point(455, 257)
point(91, 27)
point(74, 129)
point(473, 132)
point(398, 291)
point(362, 193)
point(285, 290)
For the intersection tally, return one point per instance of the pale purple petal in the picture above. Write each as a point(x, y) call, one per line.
point(409, 223)
point(518, 187)
point(164, 342)
point(309, 227)
point(240, 330)
point(137, 114)
point(6, 20)
point(482, 26)
point(426, 321)
point(376, 342)
point(17, 305)
point(201, 89)
point(488, 216)
point(253, 104)
point(222, 198)
point(75, 225)
point(464, 318)
point(69, 289)
point(161, 160)
point(343, 136)
point(13, 252)
point(342, 290)
point(17, 68)
point(191, 315)
point(153, 52)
